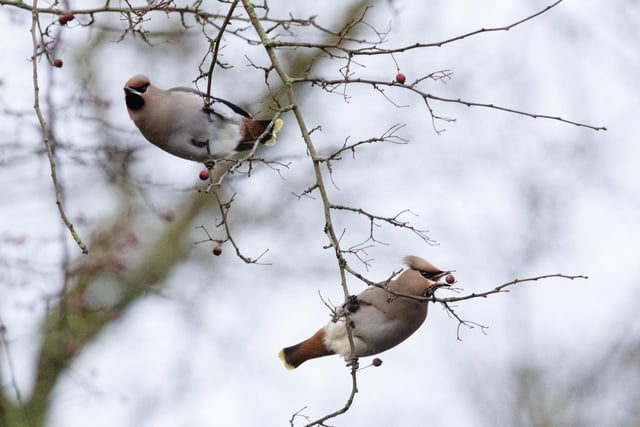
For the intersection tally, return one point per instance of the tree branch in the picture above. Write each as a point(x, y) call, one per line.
point(216, 48)
point(503, 288)
point(46, 132)
point(319, 185)
point(330, 84)
point(375, 50)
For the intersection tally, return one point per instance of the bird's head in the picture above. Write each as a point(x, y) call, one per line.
point(422, 278)
point(135, 91)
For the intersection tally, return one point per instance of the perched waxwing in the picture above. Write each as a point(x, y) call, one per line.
point(178, 121)
point(381, 317)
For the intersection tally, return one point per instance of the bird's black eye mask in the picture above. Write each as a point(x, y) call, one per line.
point(429, 274)
point(141, 89)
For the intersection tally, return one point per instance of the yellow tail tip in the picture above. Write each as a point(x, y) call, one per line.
point(282, 356)
point(277, 125)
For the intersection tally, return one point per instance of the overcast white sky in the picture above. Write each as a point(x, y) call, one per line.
point(505, 197)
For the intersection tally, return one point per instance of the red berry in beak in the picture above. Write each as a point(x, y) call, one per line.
point(450, 279)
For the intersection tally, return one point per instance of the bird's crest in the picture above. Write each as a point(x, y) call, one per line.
point(420, 264)
point(137, 81)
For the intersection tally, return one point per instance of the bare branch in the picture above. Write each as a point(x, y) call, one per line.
point(395, 221)
point(46, 132)
point(354, 389)
point(388, 136)
point(503, 288)
point(467, 323)
point(216, 48)
point(511, 110)
point(319, 185)
point(330, 85)
point(296, 414)
point(224, 208)
point(375, 50)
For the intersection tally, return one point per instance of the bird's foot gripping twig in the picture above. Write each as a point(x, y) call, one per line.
point(353, 362)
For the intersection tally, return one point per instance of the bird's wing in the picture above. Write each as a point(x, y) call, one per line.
point(231, 105)
point(375, 297)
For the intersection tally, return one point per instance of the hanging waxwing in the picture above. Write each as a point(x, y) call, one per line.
point(177, 121)
point(380, 318)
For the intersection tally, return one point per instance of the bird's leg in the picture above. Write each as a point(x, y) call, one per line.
point(353, 362)
point(353, 304)
point(210, 163)
point(431, 290)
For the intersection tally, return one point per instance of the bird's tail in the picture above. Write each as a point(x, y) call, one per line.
point(311, 348)
point(262, 129)
point(270, 138)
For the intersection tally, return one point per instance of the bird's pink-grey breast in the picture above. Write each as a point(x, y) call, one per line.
point(178, 121)
point(380, 317)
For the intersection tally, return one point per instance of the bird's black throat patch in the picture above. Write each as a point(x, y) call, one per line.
point(134, 101)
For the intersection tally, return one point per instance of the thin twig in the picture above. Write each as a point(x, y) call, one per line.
point(503, 288)
point(461, 322)
point(354, 389)
point(331, 84)
point(296, 414)
point(216, 47)
point(388, 136)
point(375, 50)
point(224, 222)
point(46, 132)
point(389, 220)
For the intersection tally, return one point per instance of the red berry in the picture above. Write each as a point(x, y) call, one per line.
point(376, 362)
point(57, 63)
point(65, 17)
point(204, 175)
point(401, 78)
point(450, 278)
point(217, 251)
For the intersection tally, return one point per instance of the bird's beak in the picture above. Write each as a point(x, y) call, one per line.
point(437, 277)
point(436, 284)
point(128, 90)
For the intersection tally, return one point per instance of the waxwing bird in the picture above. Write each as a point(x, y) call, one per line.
point(178, 121)
point(380, 318)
